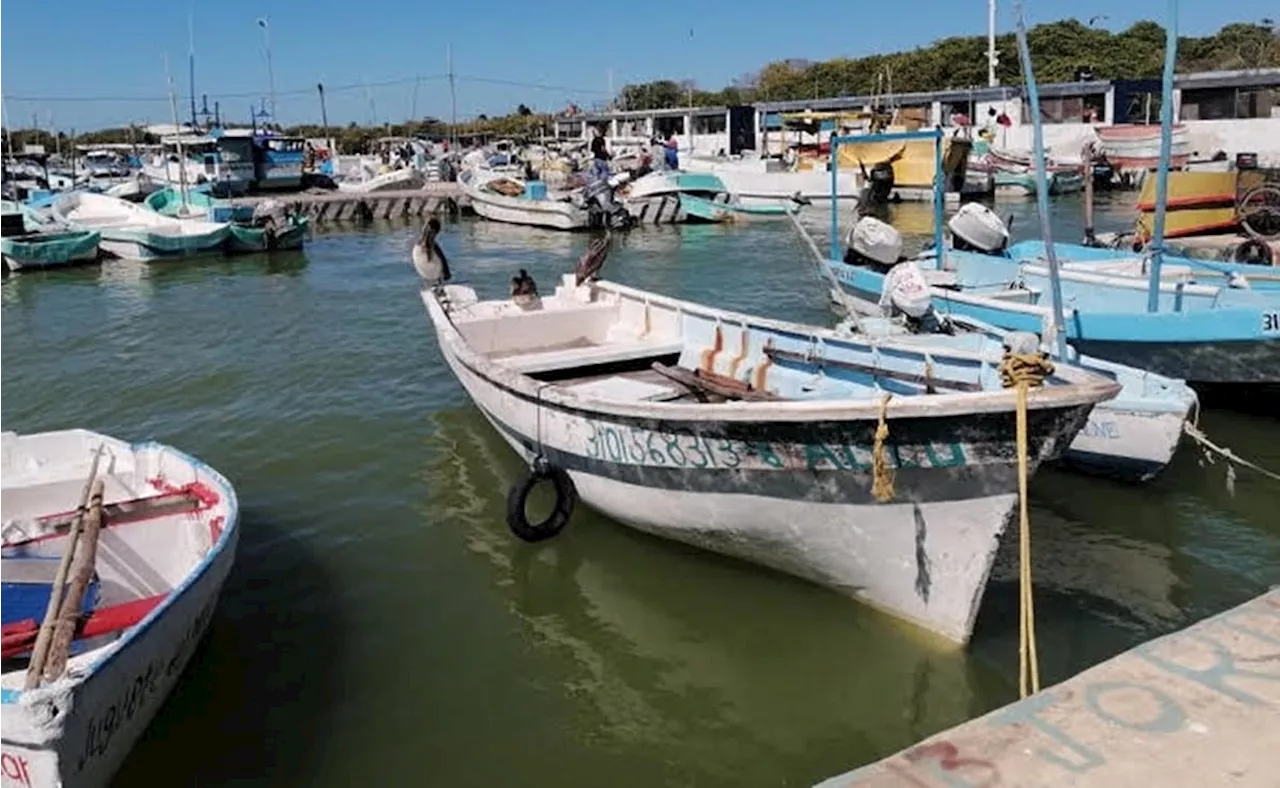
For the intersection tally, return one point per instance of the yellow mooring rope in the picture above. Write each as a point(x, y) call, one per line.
point(881, 474)
point(1022, 371)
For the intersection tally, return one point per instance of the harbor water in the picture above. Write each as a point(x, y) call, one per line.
point(382, 627)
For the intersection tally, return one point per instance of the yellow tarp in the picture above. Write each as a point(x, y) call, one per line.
point(913, 168)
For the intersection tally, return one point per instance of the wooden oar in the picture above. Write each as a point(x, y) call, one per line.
point(86, 562)
point(40, 652)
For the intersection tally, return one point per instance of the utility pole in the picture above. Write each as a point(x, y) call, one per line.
point(413, 105)
point(993, 57)
point(324, 115)
point(453, 100)
point(271, 77)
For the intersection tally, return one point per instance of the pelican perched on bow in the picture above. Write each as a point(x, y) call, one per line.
point(428, 259)
point(592, 260)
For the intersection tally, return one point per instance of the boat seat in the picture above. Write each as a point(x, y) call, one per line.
point(625, 389)
point(591, 355)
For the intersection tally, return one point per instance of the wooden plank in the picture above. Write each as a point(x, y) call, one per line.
point(120, 512)
point(711, 383)
point(875, 372)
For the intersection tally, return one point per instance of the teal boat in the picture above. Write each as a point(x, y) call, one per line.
point(32, 241)
point(674, 197)
point(199, 202)
point(247, 235)
point(247, 238)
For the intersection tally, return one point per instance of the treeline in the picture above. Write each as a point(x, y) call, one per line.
point(1059, 51)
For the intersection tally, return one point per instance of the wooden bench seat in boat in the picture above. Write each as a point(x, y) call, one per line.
point(586, 355)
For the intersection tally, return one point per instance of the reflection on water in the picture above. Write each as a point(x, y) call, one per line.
point(656, 628)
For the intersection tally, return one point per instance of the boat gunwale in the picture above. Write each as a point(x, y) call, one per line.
point(1082, 387)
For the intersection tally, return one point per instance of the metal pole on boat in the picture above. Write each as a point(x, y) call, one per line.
point(453, 101)
point(1166, 150)
point(939, 198)
point(8, 129)
point(1042, 188)
point(835, 195)
point(992, 57)
point(182, 159)
point(191, 59)
point(324, 114)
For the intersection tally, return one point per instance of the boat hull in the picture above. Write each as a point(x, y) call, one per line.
point(797, 496)
point(247, 240)
point(146, 247)
point(49, 251)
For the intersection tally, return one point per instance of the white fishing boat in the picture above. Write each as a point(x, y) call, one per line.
point(786, 445)
point(138, 233)
point(144, 576)
point(558, 212)
point(1136, 147)
point(767, 181)
point(135, 188)
point(405, 178)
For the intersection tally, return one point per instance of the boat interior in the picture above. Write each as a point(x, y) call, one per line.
point(1114, 285)
point(161, 515)
point(610, 342)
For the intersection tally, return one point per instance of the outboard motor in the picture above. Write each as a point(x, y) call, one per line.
point(272, 217)
point(977, 228)
point(604, 210)
point(873, 244)
point(880, 181)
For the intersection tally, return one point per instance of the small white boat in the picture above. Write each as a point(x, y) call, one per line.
point(758, 438)
point(138, 233)
point(135, 188)
point(156, 567)
point(557, 214)
point(760, 181)
point(405, 178)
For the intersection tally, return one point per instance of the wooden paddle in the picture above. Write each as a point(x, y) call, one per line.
point(85, 564)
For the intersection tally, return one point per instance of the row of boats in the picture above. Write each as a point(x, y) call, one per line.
point(81, 226)
point(879, 457)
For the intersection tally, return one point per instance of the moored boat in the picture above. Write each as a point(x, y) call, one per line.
point(1137, 146)
point(151, 568)
point(135, 232)
point(673, 197)
point(782, 444)
point(252, 229)
point(493, 197)
point(42, 243)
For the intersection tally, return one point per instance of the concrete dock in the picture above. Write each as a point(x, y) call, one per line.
point(1200, 707)
point(339, 206)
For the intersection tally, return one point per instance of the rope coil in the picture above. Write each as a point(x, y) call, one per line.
point(881, 473)
point(1022, 372)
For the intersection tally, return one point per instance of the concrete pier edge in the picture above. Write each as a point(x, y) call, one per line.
point(1198, 707)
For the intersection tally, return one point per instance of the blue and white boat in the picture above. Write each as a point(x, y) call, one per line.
point(138, 233)
point(1209, 329)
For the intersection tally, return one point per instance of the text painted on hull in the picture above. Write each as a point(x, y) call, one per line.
point(635, 446)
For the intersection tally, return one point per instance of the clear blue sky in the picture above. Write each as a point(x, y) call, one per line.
point(114, 51)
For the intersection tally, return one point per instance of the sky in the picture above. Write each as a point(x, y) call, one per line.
point(103, 64)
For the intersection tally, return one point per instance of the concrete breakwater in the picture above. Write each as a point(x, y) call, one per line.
point(1197, 707)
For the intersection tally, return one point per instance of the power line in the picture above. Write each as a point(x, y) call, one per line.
point(308, 91)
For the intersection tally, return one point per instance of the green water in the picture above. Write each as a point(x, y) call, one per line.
point(381, 627)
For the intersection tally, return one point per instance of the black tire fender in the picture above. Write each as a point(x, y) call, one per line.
point(1253, 252)
point(566, 499)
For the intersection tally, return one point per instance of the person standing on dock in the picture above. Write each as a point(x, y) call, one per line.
point(599, 156)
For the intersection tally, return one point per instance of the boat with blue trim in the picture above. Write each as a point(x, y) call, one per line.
point(887, 472)
point(146, 536)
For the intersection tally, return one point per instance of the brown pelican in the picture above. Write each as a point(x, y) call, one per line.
point(523, 285)
point(592, 260)
point(428, 258)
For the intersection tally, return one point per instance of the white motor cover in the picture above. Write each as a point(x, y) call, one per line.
point(876, 240)
point(980, 226)
point(906, 290)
